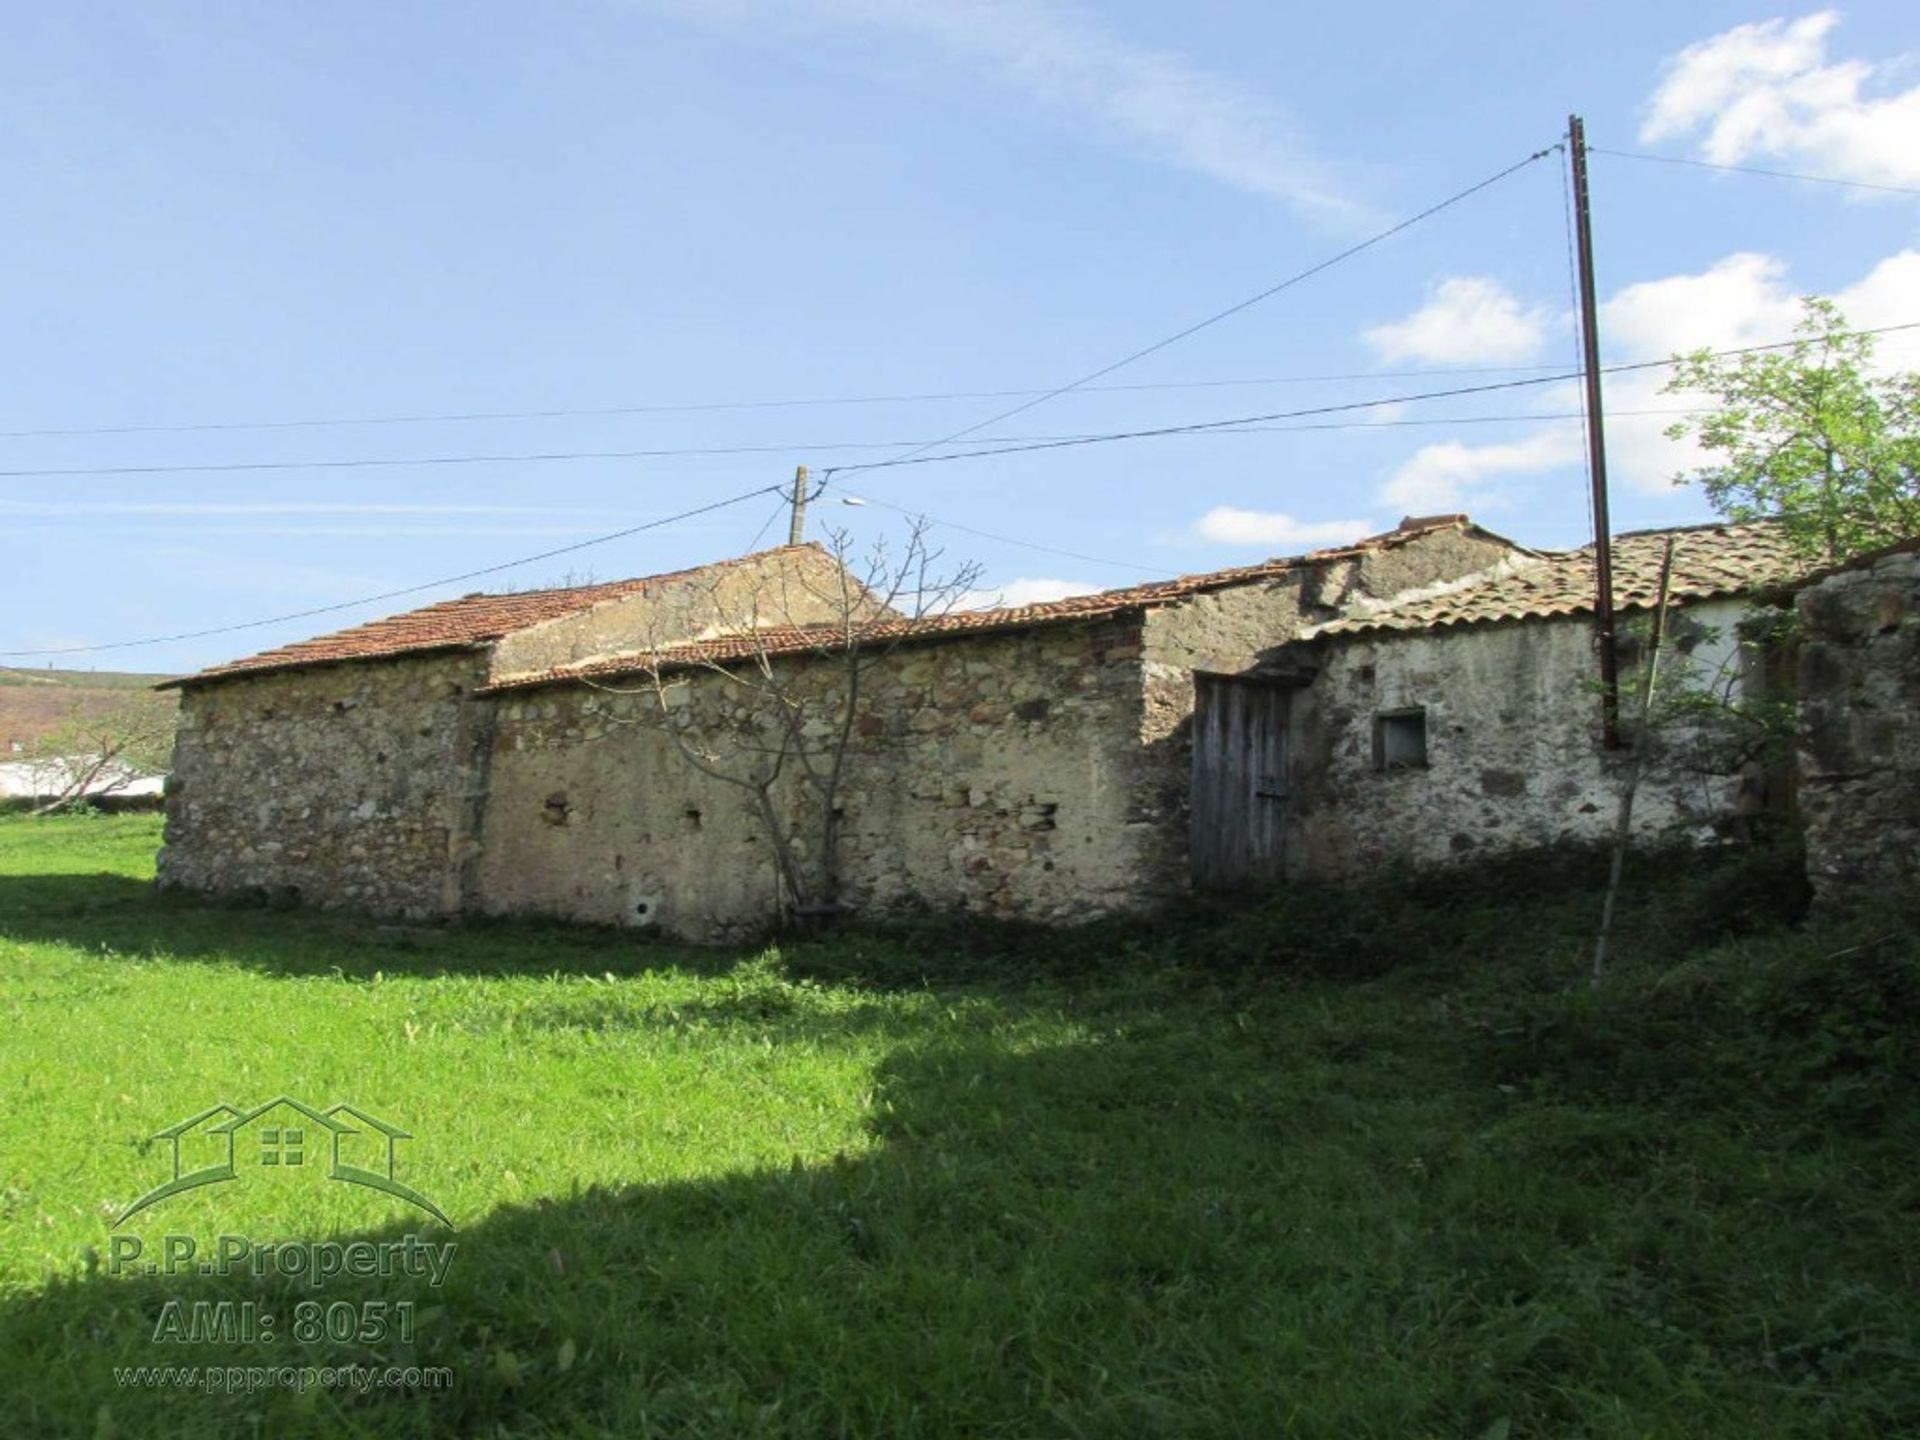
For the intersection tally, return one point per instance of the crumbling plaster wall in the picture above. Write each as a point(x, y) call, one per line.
point(795, 585)
point(1244, 629)
point(1859, 730)
point(994, 775)
point(342, 785)
point(1513, 744)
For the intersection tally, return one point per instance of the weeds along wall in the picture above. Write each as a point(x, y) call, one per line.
point(1509, 725)
point(996, 775)
point(349, 785)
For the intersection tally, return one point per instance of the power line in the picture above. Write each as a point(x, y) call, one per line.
point(392, 462)
point(779, 509)
point(1234, 309)
point(1753, 170)
point(917, 513)
point(1201, 427)
point(405, 590)
point(375, 462)
point(55, 511)
point(1032, 399)
point(1009, 444)
point(452, 417)
point(1216, 426)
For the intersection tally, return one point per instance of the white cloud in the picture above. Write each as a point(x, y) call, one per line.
point(1150, 101)
point(1450, 475)
point(1467, 320)
point(1765, 90)
point(1744, 299)
point(1888, 294)
point(1025, 591)
point(1229, 525)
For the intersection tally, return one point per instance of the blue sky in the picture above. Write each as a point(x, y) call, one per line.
point(221, 214)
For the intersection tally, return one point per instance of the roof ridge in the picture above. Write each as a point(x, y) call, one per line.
point(721, 563)
point(464, 622)
point(1745, 557)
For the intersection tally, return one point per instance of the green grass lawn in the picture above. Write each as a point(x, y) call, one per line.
point(1342, 1166)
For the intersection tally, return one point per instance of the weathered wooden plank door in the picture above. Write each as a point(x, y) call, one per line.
point(1239, 798)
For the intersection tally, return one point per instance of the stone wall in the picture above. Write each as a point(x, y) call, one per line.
point(1246, 629)
point(1513, 744)
point(994, 775)
point(1859, 729)
point(344, 785)
point(794, 585)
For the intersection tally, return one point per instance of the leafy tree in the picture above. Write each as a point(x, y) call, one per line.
point(1810, 434)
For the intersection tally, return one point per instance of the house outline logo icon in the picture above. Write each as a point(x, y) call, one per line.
point(299, 1133)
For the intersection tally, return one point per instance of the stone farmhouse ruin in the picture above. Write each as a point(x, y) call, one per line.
point(1415, 696)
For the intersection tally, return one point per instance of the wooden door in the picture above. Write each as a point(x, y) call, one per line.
point(1239, 800)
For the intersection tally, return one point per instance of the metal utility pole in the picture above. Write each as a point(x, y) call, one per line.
point(797, 527)
point(1596, 440)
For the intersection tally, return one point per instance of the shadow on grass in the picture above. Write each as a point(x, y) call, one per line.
point(1443, 921)
point(132, 918)
point(1161, 1233)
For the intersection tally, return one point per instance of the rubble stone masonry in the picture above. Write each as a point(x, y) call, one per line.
point(993, 775)
point(1859, 735)
point(341, 786)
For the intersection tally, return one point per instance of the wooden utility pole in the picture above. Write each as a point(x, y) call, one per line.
point(1596, 440)
point(797, 527)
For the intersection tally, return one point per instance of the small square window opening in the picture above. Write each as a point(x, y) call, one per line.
point(1400, 740)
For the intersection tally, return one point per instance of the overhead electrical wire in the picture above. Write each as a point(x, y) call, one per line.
point(607, 411)
point(1753, 170)
point(1008, 445)
point(819, 402)
point(780, 507)
point(919, 514)
point(404, 590)
point(1217, 426)
point(1033, 398)
point(1296, 278)
point(682, 453)
point(1204, 426)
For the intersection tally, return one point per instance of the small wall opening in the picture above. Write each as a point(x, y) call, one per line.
point(1400, 740)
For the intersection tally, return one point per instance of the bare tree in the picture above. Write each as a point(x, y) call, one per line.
point(100, 750)
point(791, 655)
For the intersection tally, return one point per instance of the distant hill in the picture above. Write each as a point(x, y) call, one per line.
point(35, 702)
point(81, 679)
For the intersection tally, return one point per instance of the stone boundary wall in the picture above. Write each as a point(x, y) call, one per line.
point(1514, 758)
point(995, 776)
point(1859, 730)
point(1247, 629)
point(336, 786)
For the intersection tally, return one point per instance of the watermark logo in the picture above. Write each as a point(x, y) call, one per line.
point(225, 1141)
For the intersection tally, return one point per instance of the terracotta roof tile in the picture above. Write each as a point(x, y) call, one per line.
point(472, 620)
point(1708, 560)
point(795, 640)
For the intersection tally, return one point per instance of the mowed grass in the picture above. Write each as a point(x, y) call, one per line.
point(1326, 1165)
